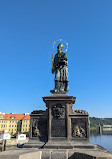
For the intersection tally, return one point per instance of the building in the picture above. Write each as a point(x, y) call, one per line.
point(25, 126)
point(15, 123)
point(107, 128)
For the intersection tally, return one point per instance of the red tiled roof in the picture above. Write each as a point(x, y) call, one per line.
point(26, 117)
point(14, 117)
point(1, 132)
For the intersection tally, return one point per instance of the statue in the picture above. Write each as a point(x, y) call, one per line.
point(35, 130)
point(79, 131)
point(60, 68)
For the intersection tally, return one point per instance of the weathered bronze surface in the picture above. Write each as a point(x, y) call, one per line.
point(60, 68)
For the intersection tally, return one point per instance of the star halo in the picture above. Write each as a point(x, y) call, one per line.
point(61, 41)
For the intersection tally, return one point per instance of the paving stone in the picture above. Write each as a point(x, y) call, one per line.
point(58, 155)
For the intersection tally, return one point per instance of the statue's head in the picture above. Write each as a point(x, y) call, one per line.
point(60, 47)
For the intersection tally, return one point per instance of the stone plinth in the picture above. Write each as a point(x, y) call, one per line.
point(58, 111)
point(59, 126)
point(65, 124)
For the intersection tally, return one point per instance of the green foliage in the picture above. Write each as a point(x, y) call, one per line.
point(94, 122)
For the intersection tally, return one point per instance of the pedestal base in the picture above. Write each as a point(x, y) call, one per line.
point(75, 153)
point(58, 144)
point(34, 144)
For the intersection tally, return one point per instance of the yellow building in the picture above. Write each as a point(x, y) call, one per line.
point(25, 126)
point(15, 123)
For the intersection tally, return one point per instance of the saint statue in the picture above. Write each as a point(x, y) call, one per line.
point(60, 68)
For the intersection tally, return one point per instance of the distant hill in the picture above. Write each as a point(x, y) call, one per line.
point(94, 122)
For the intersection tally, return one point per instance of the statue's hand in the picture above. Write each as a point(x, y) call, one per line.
point(66, 63)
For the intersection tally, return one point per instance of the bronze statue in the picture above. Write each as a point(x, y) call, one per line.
point(79, 131)
point(60, 68)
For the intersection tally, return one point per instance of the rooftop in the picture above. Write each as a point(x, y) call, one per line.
point(14, 117)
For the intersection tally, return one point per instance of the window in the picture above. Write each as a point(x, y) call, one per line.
point(12, 117)
point(1, 117)
point(12, 125)
point(10, 121)
point(26, 125)
point(9, 129)
point(15, 125)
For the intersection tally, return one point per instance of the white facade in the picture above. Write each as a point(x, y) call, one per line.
point(5, 135)
point(107, 127)
point(21, 137)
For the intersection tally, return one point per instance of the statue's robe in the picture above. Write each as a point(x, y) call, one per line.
point(61, 67)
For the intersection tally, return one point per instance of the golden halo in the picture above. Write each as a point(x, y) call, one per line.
point(63, 41)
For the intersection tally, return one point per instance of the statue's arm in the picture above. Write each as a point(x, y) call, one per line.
point(65, 60)
point(56, 63)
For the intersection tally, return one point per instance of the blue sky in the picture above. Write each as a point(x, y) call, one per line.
point(27, 32)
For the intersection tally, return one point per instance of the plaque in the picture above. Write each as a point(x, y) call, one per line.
point(39, 127)
point(79, 129)
point(58, 127)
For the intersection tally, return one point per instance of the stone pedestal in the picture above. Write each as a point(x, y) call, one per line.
point(58, 115)
point(59, 126)
point(65, 124)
